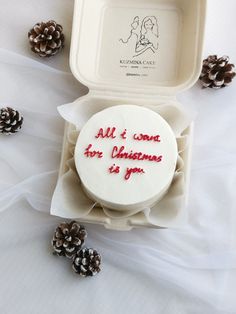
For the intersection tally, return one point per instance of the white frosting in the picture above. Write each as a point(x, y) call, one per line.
point(117, 190)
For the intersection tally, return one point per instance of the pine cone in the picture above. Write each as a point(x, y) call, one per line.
point(10, 121)
point(87, 262)
point(68, 239)
point(217, 73)
point(46, 39)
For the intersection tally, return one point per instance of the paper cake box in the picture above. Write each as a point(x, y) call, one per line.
point(123, 59)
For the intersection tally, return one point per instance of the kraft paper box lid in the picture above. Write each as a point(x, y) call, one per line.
point(133, 46)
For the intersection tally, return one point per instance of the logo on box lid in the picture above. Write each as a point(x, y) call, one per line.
point(143, 35)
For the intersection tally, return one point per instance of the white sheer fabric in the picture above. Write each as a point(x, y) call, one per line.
point(144, 271)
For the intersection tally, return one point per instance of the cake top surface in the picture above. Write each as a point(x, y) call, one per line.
point(125, 156)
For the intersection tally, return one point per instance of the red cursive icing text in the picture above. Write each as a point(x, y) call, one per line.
point(118, 152)
point(92, 153)
point(114, 169)
point(146, 137)
point(108, 133)
point(123, 134)
point(130, 171)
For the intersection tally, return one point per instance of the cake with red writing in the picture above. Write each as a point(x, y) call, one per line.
point(126, 157)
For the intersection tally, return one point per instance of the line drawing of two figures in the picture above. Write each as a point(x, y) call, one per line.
point(144, 35)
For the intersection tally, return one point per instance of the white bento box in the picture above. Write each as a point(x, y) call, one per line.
point(141, 52)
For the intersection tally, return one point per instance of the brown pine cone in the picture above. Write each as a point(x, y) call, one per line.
point(217, 72)
point(46, 39)
point(68, 238)
point(87, 262)
point(10, 121)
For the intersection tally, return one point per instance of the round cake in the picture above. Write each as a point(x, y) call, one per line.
point(126, 157)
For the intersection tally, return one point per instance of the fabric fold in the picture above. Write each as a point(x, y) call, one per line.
point(69, 200)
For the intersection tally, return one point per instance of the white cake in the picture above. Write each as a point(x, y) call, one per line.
point(126, 157)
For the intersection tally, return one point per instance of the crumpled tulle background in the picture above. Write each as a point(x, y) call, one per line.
point(190, 271)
